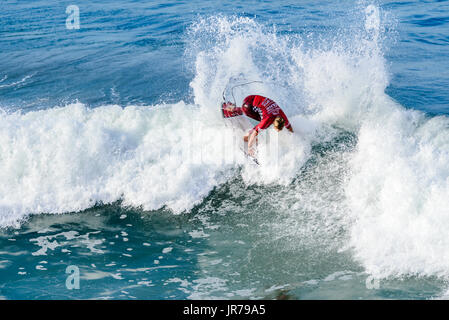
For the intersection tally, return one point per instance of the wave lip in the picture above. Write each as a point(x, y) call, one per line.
point(70, 158)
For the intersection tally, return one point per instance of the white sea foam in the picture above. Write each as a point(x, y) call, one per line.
point(398, 184)
point(69, 158)
point(398, 194)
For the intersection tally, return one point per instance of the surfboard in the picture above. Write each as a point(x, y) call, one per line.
point(239, 123)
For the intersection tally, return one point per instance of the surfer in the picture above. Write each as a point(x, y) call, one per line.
point(264, 110)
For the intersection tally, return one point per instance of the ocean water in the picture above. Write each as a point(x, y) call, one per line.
point(115, 160)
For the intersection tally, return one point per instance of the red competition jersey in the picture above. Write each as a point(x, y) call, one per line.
point(264, 110)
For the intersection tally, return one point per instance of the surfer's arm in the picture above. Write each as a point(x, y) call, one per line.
point(265, 123)
point(235, 110)
point(251, 139)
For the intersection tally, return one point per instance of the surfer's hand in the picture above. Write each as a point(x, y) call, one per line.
point(290, 129)
point(230, 107)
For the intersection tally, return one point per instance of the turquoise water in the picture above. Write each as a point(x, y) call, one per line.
point(111, 157)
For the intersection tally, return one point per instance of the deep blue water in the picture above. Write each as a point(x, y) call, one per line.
point(91, 120)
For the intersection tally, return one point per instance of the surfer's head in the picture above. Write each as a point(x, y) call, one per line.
point(278, 123)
